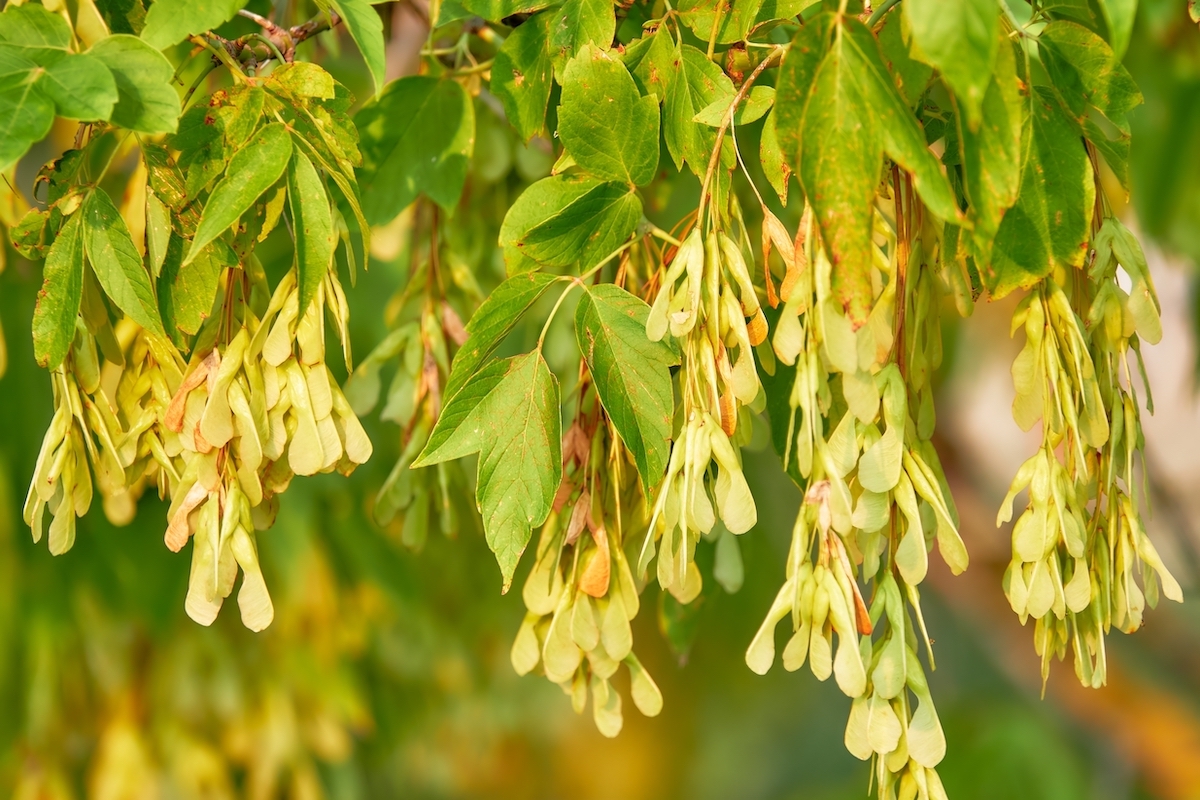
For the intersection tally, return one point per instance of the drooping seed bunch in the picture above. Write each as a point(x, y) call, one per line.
point(581, 594)
point(174, 362)
point(717, 328)
point(256, 410)
point(1079, 545)
point(876, 498)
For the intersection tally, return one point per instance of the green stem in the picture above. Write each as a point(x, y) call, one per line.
point(579, 282)
point(553, 311)
point(221, 55)
point(879, 11)
point(196, 83)
point(274, 47)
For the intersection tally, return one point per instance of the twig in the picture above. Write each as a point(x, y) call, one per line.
point(741, 95)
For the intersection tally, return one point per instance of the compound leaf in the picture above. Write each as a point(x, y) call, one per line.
point(169, 22)
point(312, 222)
point(146, 100)
point(1050, 222)
point(510, 415)
point(492, 322)
point(632, 374)
point(252, 170)
point(606, 125)
point(81, 87)
point(366, 28)
point(522, 76)
point(116, 262)
point(959, 39)
point(566, 220)
point(58, 301)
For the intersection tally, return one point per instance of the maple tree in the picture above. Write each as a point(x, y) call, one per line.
point(907, 153)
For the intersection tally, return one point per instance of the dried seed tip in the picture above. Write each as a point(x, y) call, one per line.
point(757, 328)
point(595, 579)
point(728, 414)
point(178, 404)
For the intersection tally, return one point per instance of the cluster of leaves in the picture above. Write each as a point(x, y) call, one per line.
point(915, 149)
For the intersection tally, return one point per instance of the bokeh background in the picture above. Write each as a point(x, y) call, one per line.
point(386, 671)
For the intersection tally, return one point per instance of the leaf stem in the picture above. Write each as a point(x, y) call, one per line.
point(269, 42)
point(199, 80)
point(879, 11)
point(769, 61)
point(482, 66)
point(222, 55)
point(579, 282)
point(546, 328)
point(712, 38)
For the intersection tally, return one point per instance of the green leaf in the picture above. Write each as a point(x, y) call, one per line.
point(146, 100)
point(1086, 73)
point(1081, 11)
point(854, 114)
point(25, 113)
point(312, 223)
point(566, 220)
point(839, 170)
point(757, 103)
point(58, 301)
point(253, 170)
point(1115, 151)
point(578, 23)
point(186, 295)
point(417, 137)
point(171, 21)
point(81, 87)
point(32, 26)
point(522, 76)
point(632, 374)
point(366, 28)
point(912, 76)
point(510, 415)
point(497, 10)
point(122, 16)
point(795, 83)
point(1049, 224)
point(959, 39)
point(903, 138)
point(492, 322)
point(737, 17)
point(608, 128)
point(158, 231)
point(116, 262)
point(991, 154)
point(687, 82)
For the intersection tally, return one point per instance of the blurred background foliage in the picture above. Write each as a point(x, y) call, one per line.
point(386, 672)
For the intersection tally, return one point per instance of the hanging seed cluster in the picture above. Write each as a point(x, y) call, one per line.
point(249, 416)
point(415, 500)
point(581, 595)
point(717, 329)
point(1079, 547)
point(876, 503)
point(205, 383)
